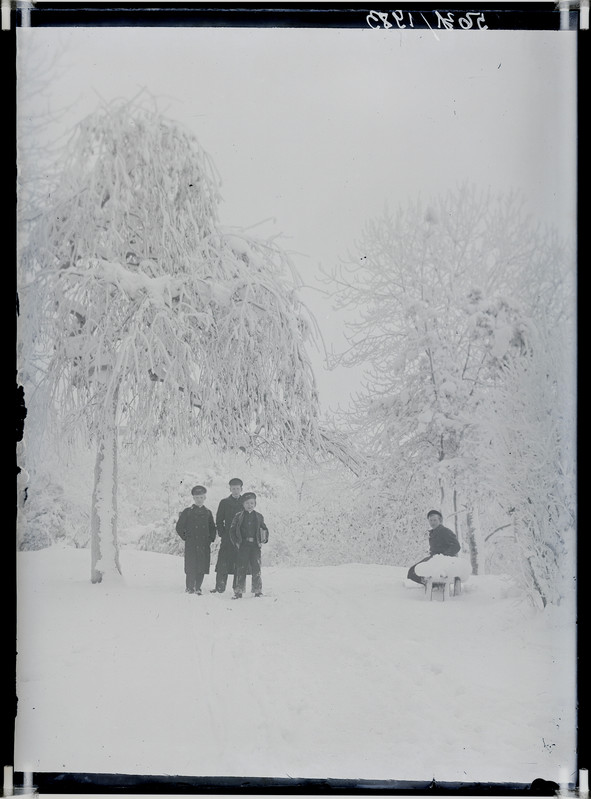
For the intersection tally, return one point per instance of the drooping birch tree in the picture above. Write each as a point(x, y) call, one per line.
point(445, 294)
point(153, 321)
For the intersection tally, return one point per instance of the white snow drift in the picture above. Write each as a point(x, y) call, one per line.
point(444, 566)
point(337, 672)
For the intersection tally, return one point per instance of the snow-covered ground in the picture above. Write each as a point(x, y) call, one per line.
point(338, 672)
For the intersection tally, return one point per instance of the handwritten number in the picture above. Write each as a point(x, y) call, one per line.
point(383, 15)
point(445, 23)
point(399, 16)
point(467, 21)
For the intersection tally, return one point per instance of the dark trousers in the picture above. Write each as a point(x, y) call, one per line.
point(249, 554)
point(194, 580)
point(221, 580)
point(226, 564)
point(412, 575)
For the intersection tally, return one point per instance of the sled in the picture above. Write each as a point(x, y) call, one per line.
point(447, 585)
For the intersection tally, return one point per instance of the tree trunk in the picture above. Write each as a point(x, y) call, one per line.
point(104, 546)
point(447, 504)
point(538, 590)
point(455, 502)
point(471, 535)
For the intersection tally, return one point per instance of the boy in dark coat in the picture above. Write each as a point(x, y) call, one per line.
point(227, 509)
point(247, 532)
point(442, 541)
point(197, 529)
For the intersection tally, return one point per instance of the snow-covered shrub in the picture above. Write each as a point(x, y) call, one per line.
point(504, 557)
point(47, 517)
point(530, 458)
point(335, 518)
point(161, 537)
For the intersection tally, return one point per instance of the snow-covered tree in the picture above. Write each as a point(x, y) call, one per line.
point(149, 319)
point(528, 443)
point(40, 125)
point(444, 294)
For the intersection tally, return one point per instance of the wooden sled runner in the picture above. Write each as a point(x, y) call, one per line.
point(447, 585)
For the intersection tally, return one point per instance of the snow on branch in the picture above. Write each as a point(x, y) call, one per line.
point(133, 289)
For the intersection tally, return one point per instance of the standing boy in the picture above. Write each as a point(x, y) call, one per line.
point(227, 509)
point(197, 529)
point(247, 532)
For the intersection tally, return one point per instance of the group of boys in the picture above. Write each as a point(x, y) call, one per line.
point(242, 531)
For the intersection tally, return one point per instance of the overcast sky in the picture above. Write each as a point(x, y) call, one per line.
point(315, 130)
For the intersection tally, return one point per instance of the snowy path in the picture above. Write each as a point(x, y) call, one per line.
point(337, 672)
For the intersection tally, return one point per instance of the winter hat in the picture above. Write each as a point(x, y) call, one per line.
point(198, 490)
point(438, 512)
point(235, 481)
point(248, 495)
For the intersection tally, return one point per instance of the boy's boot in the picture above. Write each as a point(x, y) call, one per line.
point(220, 583)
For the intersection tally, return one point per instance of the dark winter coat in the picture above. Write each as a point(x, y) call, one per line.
point(443, 541)
point(197, 529)
point(260, 531)
point(227, 509)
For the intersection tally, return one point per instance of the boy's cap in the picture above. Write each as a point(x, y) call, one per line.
point(235, 481)
point(248, 495)
point(198, 490)
point(436, 512)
